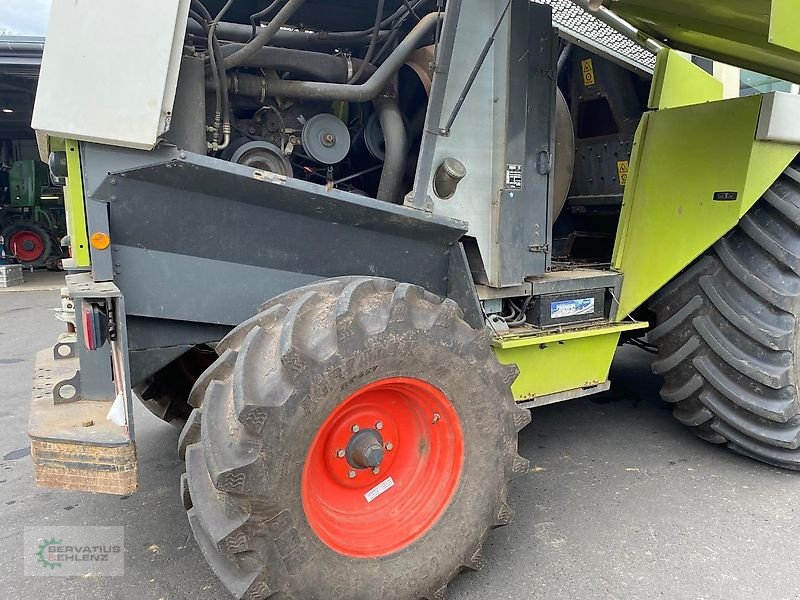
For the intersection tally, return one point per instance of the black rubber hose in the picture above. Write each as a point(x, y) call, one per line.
point(372, 44)
point(563, 57)
point(365, 92)
point(396, 139)
point(264, 36)
point(317, 66)
point(309, 40)
point(260, 15)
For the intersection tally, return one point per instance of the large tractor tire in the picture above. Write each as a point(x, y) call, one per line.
point(727, 334)
point(357, 440)
point(29, 242)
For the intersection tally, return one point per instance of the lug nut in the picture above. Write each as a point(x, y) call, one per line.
point(355, 428)
point(351, 474)
point(376, 470)
point(340, 454)
point(436, 418)
point(379, 425)
point(389, 446)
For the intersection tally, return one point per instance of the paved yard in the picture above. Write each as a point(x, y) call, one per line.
point(623, 503)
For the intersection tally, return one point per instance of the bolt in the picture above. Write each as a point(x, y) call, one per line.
point(379, 425)
point(376, 470)
point(351, 474)
point(328, 140)
point(340, 454)
point(355, 428)
point(389, 446)
point(436, 418)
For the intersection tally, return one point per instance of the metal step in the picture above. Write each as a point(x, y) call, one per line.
point(73, 445)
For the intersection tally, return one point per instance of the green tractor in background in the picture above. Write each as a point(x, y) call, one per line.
point(32, 216)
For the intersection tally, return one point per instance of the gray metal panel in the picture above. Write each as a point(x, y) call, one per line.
point(461, 288)
point(144, 333)
point(99, 161)
point(97, 222)
point(478, 136)
point(419, 198)
point(165, 285)
point(95, 366)
point(205, 241)
point(194, 180)
point(187, 129)
point(524, 215)
point(574, 281)
point(506, 119)
point(585, 30)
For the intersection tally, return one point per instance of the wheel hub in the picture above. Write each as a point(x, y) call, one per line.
point(365, 449)
point(383, 467)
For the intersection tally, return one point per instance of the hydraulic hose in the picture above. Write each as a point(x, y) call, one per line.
point(264, 36)
point(365, 92)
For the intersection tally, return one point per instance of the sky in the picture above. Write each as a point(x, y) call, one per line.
point(24, 17)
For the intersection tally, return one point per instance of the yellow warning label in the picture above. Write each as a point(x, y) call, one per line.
point(622, 170)
point(588, 72)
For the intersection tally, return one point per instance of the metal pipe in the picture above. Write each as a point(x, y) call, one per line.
point(396, 138)
point(365, 92)
point(620, 25)
point(23, 45)
point(264, 36)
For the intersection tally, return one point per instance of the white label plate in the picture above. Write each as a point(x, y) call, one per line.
point(379, 489)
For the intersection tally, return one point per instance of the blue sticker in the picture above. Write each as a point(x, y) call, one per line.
point(571, 308)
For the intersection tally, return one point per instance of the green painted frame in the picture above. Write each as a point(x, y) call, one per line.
point(74, 202)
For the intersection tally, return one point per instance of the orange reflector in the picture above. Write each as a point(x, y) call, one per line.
point(100, 241)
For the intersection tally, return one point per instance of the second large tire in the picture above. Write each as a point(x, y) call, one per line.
point(727, 334)
point(260, 500)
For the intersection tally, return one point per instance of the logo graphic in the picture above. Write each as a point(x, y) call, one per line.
point(74, 551)
point(44, 556)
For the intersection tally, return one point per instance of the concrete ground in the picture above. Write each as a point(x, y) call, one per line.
point(623, 503)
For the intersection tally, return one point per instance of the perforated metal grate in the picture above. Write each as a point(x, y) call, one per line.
point(580, 27)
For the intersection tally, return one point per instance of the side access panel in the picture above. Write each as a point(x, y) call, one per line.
point(696, 170)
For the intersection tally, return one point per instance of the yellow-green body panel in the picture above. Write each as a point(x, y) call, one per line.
point(679, 82)
point(559, 361)
point(74, 203)
point(684, 158)
point(783, 24)
point(760, 35)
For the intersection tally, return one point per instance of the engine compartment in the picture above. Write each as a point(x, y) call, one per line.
point(317, 105)
point(339, 98)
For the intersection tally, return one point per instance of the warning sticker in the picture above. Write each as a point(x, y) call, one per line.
point(587, 66)
point(622, 170)
point(379, 489)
